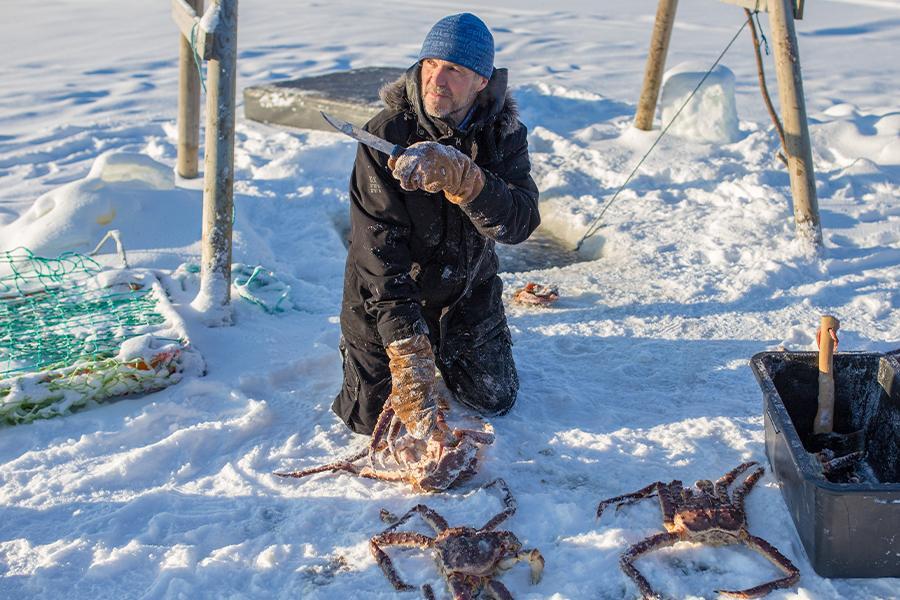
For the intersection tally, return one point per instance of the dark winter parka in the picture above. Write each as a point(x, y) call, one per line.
point(416, 261)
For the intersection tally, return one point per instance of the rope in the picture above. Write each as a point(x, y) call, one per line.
point(833, 335)
point(595, 225)
point(761, 74)
point(196, 54)
point(259, 285)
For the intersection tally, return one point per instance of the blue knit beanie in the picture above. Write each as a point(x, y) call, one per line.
point(463, 39)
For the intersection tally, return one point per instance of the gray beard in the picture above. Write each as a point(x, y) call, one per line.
point(452, 118)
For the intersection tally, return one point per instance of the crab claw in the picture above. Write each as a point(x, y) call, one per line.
point(442, 432)
point(536, 562)
point(387, 516)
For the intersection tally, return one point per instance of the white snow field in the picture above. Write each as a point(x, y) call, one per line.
point(639, 374)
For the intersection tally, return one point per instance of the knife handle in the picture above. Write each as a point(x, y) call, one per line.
point(397, 150)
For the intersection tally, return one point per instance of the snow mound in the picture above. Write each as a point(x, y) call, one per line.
point(129, 192)
point(112, 167)
point(853, 134)
point(711, 115)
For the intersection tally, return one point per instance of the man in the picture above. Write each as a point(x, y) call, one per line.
point(421, 289)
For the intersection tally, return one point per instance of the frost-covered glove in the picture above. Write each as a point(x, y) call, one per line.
point(434, 167)
point(412, 384)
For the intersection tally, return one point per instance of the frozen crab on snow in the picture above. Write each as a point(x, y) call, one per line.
point(468, 558)
point(535, 294)
point(704, 514)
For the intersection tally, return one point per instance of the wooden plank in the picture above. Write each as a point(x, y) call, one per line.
point(187, 160)
point(214, 298)
point(186, 18)
point(656, 64)
point(796, 131)
point(763, 5)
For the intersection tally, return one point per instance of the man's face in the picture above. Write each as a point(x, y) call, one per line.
point(449, 89)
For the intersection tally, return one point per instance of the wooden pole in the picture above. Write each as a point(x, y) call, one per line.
point(656, 64)
point(824, 421)
point(793, 112)
point(214, 298)
point(188, 105)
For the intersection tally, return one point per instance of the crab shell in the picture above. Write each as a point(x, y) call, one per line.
point(440, 467)
point(476, 553)
point(719, 526)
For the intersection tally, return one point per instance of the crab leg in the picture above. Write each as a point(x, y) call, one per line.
point(497, 591)
point(742, 490)
point(508, 501)
point(667, 503)
point(728, 478)
point(462, 587)
point(654, 542)
point(625, 499)
point(777, 559)
point(392, 435)
point(340, 465)
point(485, 438)
point(381, 426)
point(394, 476)
point(706, 486)
point(843, 462)
point(404, 539)
point(436, 521)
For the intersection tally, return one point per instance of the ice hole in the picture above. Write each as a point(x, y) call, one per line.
point(542, 250)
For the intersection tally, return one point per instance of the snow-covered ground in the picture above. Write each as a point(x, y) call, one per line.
point(639, 374)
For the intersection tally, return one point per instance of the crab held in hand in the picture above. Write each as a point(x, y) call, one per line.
point(467, 558)
point(431, 465)
point(704, 514)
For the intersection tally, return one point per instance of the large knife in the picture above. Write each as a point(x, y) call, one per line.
point(364, 137)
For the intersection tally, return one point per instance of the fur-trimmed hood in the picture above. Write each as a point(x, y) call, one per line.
point(497, 107)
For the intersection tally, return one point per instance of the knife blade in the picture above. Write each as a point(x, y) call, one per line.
point(364, 137)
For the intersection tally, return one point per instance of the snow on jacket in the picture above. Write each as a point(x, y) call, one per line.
point(414, 254)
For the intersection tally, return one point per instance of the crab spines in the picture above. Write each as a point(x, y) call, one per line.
point(741, 491)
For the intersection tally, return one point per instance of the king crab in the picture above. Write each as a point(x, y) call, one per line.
point(536, 294)
point(704, 514)
point(467, 558)
point(427, 466)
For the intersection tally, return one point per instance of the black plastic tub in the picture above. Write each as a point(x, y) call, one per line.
point(849, 528)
